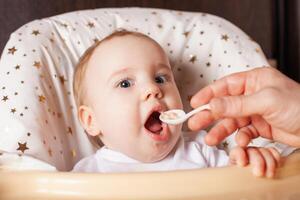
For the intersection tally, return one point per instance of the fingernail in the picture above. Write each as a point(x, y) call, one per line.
point(257, 172)
point(270, 174)
point(240, 164)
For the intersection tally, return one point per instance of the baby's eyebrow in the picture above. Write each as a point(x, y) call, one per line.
point(121, 71)
point(130, 69)
point(165, 67)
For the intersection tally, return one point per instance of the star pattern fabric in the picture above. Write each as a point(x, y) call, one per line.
point(38, 113)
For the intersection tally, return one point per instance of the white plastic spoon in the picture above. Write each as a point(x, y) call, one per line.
point(177, 116)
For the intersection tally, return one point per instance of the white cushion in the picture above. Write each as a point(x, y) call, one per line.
point(37, 110)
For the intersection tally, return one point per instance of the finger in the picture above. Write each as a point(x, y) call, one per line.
point(202, 97)
point(262, 127)
point(200, 120)
point(238, 156)
point(220, 131)
point(243, 106)
point(223, 129)
point(256, 161)
point(245, 135)
point(246, 82)
point(285, 137)
point(276, 155)
point(233, 84)
point(242, 121)
point(270, 162)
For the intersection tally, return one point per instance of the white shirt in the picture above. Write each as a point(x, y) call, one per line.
point(190, 153)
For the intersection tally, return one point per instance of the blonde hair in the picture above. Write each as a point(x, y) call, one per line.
point(80, 72)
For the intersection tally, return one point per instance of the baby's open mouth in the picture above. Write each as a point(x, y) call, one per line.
point(153, 123)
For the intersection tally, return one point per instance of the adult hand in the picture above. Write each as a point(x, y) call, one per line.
point(261, 102)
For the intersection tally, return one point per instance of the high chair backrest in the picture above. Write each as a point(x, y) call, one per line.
point(37, 109)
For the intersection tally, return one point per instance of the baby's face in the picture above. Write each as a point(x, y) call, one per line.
point(129, 82)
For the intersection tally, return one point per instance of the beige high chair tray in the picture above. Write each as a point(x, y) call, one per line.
point(39, 128)
point(222, 183)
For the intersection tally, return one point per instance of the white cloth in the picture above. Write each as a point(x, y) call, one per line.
point(17, 162)
point(190, 153)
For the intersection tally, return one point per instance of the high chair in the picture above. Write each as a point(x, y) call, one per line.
point(40, 136)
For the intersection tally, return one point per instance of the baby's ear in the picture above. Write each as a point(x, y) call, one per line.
point(88, 120)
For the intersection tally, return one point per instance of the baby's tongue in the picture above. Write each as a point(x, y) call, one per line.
point(155, 127)
point(153, 124)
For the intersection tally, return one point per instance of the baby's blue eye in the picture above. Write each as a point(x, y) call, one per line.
point(160, 79)
point(125, 84)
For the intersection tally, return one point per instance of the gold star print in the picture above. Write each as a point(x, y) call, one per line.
point(189, 97)
point(193, 58)
point(62, 79)
point(186, 34)
point(159, 26)
point(225, 37)
point(257, 50)
point(37, 64)
point(5, 98)
point(225, 145)
point(35, 32)
point(154, 13)
point(12, 50)
point(13, 110)
point(50, 152)
point(42, 98)
point(96, 40)
point(73, 153)
point(17, 67)
point(70, 130)
point(91, 25)
point(22, 147)
point(208, 64)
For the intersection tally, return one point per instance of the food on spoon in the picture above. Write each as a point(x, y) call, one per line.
point(169, 115)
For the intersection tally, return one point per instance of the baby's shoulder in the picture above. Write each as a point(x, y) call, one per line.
point(86, 164)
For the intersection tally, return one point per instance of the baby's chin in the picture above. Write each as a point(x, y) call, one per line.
point(160, 154)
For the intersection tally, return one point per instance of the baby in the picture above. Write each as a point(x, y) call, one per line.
point(121, 85)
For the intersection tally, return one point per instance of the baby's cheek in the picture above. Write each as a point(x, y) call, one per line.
point(177, 103)
point(175, 130)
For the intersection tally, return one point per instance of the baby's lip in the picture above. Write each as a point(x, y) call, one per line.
point(157, 108)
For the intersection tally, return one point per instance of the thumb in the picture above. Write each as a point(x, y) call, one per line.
point(241, 106)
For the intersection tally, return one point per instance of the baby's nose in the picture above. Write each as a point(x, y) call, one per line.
point(152, 91)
